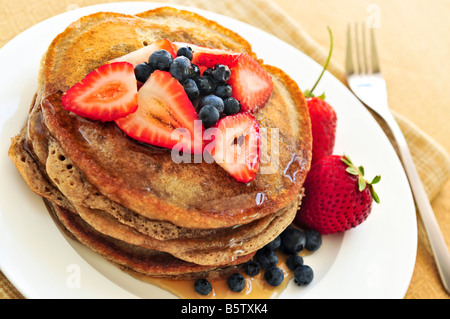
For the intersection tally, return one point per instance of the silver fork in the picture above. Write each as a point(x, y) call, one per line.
point(367, 83)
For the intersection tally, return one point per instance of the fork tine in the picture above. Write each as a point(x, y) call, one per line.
point(373, 53)
point(362, 60)
point(349, 68)
point(357, 47)
point(364, 48)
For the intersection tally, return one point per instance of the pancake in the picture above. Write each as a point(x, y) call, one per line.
point(192, 196)
point(206, 32)
point(156, 217)
point(133, 259)
point(199, 246)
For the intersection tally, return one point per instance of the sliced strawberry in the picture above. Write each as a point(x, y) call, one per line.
point(236, 146)
point(163, 107)
point(202, 69)
point(141, 55)
point(251, 84)
point(208, 57)
point(105, 94)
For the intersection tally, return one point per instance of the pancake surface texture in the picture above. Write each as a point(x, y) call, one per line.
point(155, 217)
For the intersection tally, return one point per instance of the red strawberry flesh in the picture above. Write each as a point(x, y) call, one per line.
point(163, 108)
point(105, 94)
point(208, 57)
point(251, 84)
point(236, 146)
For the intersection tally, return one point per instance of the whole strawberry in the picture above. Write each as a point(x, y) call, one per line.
point(323, 127)
point(323, 118)
point(337, 197)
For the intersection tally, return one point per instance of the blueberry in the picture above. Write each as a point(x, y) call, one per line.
point(160, 60)
point(180, 68)
point(313, 240)
point(191, 89)
point(303, 275)
point(208, 72)
point(274, 276)
point(194, 71)
point(293, 241)
point(213, 100)
point(206, 85)
point(223, 91)
point(221, 73)
point(185, 51)
point(252, 268)
point(142, 72)
point(266, 258)
point(202, 286)
point(285, 231)
point(231, 106)
point(208, 115)
point(294, 261)
point(236, 282)
point(274, 244)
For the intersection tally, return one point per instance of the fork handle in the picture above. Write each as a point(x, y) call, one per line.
point(435, 237)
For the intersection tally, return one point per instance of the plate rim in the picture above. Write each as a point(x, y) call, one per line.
point(119, 6)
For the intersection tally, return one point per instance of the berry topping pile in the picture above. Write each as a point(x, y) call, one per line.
point(162, 107)
point(166, 87)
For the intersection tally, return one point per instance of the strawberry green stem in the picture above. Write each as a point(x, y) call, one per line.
point(362, 182)
point(310, 93)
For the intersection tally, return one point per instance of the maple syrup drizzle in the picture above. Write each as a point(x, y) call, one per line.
point(255, 287)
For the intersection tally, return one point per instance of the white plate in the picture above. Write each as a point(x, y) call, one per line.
point(374, 260)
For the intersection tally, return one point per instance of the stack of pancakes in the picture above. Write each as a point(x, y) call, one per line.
point(130, 202)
